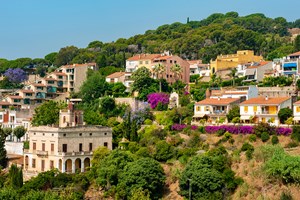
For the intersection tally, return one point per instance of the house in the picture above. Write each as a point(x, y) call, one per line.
point(296, 112)
point(233, 60)
point(256, 71)
point(116, 77)
point(68, 147)
point(214, 108)
point(140, 60)
point(290, 65)
point(263, 109)
point(240, 92)
point(197, 67)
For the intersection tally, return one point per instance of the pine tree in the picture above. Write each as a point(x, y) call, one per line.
point(16, 177)
point(297, 43)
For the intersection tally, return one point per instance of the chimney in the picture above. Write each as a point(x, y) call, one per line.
point(266, 98)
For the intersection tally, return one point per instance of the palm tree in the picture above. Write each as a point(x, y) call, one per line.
point(232, 75)
point(158, 70)
point(177, 70)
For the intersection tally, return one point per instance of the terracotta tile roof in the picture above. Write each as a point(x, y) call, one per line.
point(27, 91)
point(143, 57)
point(15, 97)
point(192, 62)
point(262, 63)
point(295, 54)
point(60, 74)
point(116, 75)
point(235, 92)
point(218, 101)
point(50, 79)
point(263, 101)
point(4, 103)
point(78, 65)
point(297, 103)
point(163, 58)
point(39, 85)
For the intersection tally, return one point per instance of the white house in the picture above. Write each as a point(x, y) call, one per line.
point(263, 109)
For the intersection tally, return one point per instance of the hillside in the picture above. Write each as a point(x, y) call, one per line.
point(204, 39)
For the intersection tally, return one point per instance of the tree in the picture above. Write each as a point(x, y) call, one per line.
point(66, 55)
point(15, 177)
point(94, 87)
point(3, 157)
point(7, 131)
point(118, 89)
point(159, 69)
point(232, 75)
point(19, 131)
point(107, 105)
point(297, 43)
point(146, 174)
point(143, 83)
point(163, 151)
point(111, 167)
point(233, 113)
point(51, 57)
point(47, 113)
point(284, 114)
point(177, 70)
point(15, 75)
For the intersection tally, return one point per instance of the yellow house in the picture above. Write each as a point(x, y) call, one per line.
point(263, 109)
point(233, 60)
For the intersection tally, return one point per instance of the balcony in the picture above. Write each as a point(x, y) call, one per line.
point(40, 95)
point(42, 153)
point(51, 89)
point(75, 153)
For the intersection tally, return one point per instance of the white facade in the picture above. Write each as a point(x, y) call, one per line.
point(131, 65)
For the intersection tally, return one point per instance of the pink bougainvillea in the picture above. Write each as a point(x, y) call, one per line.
point(155, 98)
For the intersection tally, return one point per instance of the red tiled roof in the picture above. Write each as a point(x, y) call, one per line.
point(262, 63)
point(60, 74)
point(218, 101)
point(27, 91)
point(163, 58)
point(263, 101)
point(191, 62)
point(39, 85)
point(15, 97)
point(4, 103)
point(79, 65)
point(297, 103)
point(50, 79)
point(295, 54)
point(116, 75)
point(143, 57)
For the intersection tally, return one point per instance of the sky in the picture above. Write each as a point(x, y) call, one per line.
point(35, 28)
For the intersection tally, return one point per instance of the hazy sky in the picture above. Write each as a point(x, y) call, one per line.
point(34, 28)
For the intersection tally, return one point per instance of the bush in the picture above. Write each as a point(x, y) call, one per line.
point(246, 146)
point(148, 122)
point(231, 141)
point(286, 195)
point(264, 128)
point(249, 154)
point(227, 136)
point(296, 133)
point(252, 138)
point(265, 136)
point(163, 151)
point(201, 129)
point(265, 152)
point(292, 144)
point(275, 139)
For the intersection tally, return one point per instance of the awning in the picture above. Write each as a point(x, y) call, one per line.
point(199, 115)
point(245, 117)
point(290, 65)
point(250, 72)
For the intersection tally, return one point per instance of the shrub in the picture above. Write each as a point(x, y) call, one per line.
point(249, 154)
point(286, 195)
point(148, 122)
point(265, 136)
point(163, 151)
point(292, 144)
point(264, 128)
point(296, 133)
point(26, 144)
point(274, 139)
point(155, 99)
point(201, 129)
point(246, 146)
point(227, 136)
point(231, 141)
point(265, 152)
point(252, 138)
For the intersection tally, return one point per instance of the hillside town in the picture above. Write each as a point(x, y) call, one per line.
point(135, 120)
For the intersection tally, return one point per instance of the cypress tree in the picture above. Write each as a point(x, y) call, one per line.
point(3, 157)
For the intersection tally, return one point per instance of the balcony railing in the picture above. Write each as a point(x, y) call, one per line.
point(75, 153)
point(41, 153)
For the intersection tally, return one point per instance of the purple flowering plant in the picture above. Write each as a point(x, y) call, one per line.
point(15, 75)
point(155, 98)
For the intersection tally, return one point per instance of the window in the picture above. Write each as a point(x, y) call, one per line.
point(52, 147)
point(1, 116)
point(51, 164)
point(28, 94)
point(171, 61)
point(65, 147)
point(80, 134)
point(65, 135)
point(245, 109)
point(255, 108)
point(105, 133)
point(34, 146)
point(33, 163)
point(298, 108)
point(198, 108)
point(60, 77)
point(141, 62)
point(80, 147)
point(147, 62)
point(105, 144)
point(91, 147)
point(91, 134)
point(43, 146)
point(43, 165)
